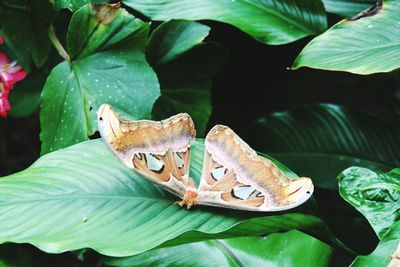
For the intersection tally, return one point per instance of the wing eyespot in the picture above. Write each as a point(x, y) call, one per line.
point(161, 170)
point(243, 192)
point(178, 160)
point(218, 172)
point(154, 164)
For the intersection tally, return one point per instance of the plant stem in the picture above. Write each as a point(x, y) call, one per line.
point(57, 44)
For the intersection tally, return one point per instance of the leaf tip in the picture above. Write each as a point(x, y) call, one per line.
point(375, 9)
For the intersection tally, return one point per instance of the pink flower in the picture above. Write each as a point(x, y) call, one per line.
point(4, 104)
point(10, 73)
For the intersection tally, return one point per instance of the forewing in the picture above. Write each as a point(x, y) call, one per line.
point(159, 150)
point(234, 176)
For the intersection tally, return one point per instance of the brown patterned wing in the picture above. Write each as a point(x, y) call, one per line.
point(234, 176)
point(159, 150)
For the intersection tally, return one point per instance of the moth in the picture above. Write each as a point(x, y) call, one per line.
point(233, 175)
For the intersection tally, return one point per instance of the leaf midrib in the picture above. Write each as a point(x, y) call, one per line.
point(385, 185)
point(279, 15)
point(396, 44)
point(228, 252)
point(84, 100)
point(90, 35)
point(288, 19)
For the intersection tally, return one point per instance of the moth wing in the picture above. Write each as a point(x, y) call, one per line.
point(234, 176)
point(159, 150)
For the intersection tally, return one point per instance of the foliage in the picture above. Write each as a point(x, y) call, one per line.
point(347, 8)
point(83, 208)
point(376, 195)
point(33, 19)
point(364, 44)
point(80, 206)
point(242, 251)
point(271, 22)
point(105, 63)
point(386, 252)
point(171, 48)
point(328, 140)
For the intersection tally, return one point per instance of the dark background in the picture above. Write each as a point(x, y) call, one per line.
point(255, 81)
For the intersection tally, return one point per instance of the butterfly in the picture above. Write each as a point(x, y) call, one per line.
point(233, 175)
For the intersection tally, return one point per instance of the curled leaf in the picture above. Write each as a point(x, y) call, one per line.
point(376, 195)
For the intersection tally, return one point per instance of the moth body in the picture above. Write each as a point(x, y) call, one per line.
point(190, 199)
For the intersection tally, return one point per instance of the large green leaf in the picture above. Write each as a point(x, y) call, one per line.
point(320, 141)
point(278, 249)
point(376, 195)
point(205, 253)
point(347, 8)
point(70, 4)
point(26, 23)
point(185, 67)
point(368, 43)
point(75, 4)
point(387, 251)
point(106, 46)
point(16, 51)
point(173, 38)
point(83, 196)
point(269, 21)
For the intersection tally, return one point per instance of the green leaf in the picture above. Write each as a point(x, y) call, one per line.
point(367, 44)
point(26, 23)
point(320, 141)
point(16, 52)
point(97, 28)
point(268, 21)
point(174, 38)
point(83, 196)
point(278, 249)
point(205, 253)
point(376, 195)
point(347, 8)
point(385, 251)
point(106, 45)
point(185, 67)
point(70, 4)
point(74, 5)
